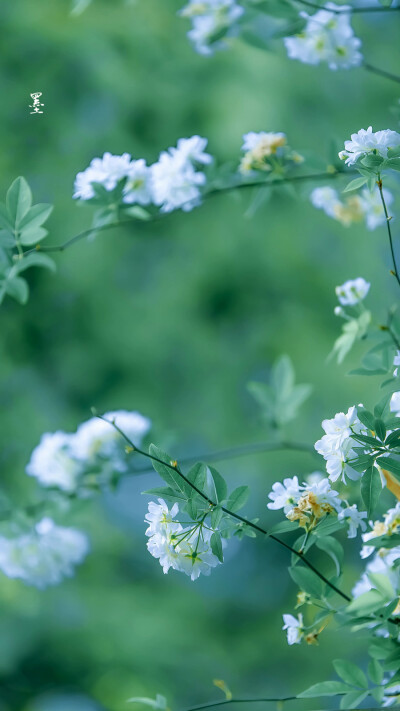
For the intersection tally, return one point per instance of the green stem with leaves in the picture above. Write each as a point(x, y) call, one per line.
point(174, 467)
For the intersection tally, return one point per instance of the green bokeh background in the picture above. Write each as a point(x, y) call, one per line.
point(171, 319)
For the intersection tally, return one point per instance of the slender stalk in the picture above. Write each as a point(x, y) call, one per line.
point(349, 10)
point(381, 72)
point(225, 702)
point(214, 191)
point(389, 229)
point(243, 450)
point(175, 468)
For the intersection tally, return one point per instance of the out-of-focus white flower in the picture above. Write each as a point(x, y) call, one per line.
point(354, 208)
point(366, 141)
point(314, 478)
point(263, 144)
point(396, 362)
point(355, 519)
point(352, 291)
point(371, 204)
point(192, 150)
point(52, 462)
point(392, 695)
point(327, 37)
point(381, 563)
point(107, 171)
point(43, 556)
point(96, 437)
point(212, 20)
point(175, 181)
point(294, 628)
point(285, 496)
point(395, 403)
point(137, 188)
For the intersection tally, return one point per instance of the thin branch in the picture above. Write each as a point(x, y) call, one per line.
point(349, 10)
point(243, 450)
point(381, 72)
point(224, 702)
point(389, 229)
point(175, 468)
point(214, 191)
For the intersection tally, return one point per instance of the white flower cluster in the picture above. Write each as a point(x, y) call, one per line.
point(336, 446)
point(366, 206)
point(384, 558)
point(327, 37)
point(310, 502)
point(366, 141)
point(353, 291)
point(43, 556)
point(212, 21)
point(264, 150)
point(186, 550)
point(172, 182)
point(61, 458)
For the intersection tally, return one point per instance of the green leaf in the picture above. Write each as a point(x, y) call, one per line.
point(238, 498)
point(393, 465)
point(371, 489)
point(385, 541)
point(18, 200)
point(36, 259)
point(393, 163)
point(197, 475)
point(372, 161)
point(18, 288)
point(215, 485)
point(393, 440)
point(283, 527)
point(7, 239)
point(216, 516)
point(334, 549)
point(36, 215)
point(5, 221)
point(325, 688)
point(170, 476)
point(380, 429)
point(308, 581)
point(382, 584)
point(375, 671)
point(139, 213)
point(350, 673)
point(32, 235)
point(216, 546)
point(354, 184)
point(352, 699)
point(159, 703)
point(366, 603)
point(165, 492)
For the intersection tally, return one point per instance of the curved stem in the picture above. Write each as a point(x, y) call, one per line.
point(381, 72)
point(175, 468)
point(214, 191)
point(389, 229)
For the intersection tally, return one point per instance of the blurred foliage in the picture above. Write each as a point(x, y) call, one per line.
point(172, 319)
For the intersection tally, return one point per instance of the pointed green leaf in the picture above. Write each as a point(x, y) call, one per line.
point(18, 200)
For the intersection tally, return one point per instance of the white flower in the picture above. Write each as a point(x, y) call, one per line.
point(95, 436)
point(52, 462)
point(372, 206)
point(395, 403)
point(381, 563)
point(365, 141)
point(327, 37)
point(314, 478)
point(323, 494)
point(396, 362)
point(176, 183)
point(192, 149)
point(393, 693)
point(180, 549)
point(211, 19)
point(355, 519)
point(161, 519)
point(336, 446)
point(107, 170)
point(352, 291)
point(43, 556)
point(327, 199)
point(294, 628)
point(137, 188)
point(285, 496)
point(263, 142)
